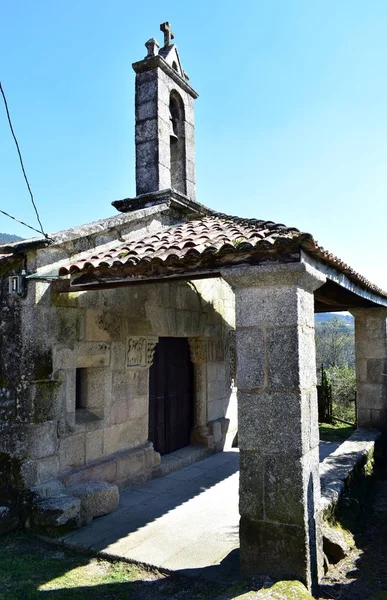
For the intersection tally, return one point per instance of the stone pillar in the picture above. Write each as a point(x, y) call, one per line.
point(200, 434)
point(371, 366)
point(278, 435)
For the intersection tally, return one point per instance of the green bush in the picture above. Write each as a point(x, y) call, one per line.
point(343, 381)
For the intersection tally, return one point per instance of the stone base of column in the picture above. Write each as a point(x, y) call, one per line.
point(200, 436)
point(272, 548)
point(280, 531)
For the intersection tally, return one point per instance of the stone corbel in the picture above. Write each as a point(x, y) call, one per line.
point(140, 352)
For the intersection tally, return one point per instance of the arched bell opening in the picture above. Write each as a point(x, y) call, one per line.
point(177, 143)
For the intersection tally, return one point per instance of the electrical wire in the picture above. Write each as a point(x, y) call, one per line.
point(22, 223)
point(23, 169)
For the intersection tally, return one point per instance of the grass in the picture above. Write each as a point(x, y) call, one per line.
point(335, 432)
point(31, 568)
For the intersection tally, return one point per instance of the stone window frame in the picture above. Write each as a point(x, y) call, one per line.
point(66, 361)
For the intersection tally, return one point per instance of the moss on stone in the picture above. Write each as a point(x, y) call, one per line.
point(369, 466)
point(70, 300)
point(69, 329)
point(4, 381)
point(42, 365)
point(45, 401)
point(282, 590)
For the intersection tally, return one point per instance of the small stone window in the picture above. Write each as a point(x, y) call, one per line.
point(80, 389)
point(88, 394)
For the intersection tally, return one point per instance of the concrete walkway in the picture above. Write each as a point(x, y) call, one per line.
point(186, 521)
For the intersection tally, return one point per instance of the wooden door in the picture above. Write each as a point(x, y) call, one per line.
point(171, 395)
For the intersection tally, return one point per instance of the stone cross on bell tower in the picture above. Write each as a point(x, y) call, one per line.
point(168, 34)
point(164, 121)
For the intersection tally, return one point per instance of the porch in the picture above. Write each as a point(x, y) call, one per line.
point(188, 520)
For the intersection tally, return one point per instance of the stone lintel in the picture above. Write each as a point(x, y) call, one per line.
point(279, 275)
point(157, 62)
point(377, 312)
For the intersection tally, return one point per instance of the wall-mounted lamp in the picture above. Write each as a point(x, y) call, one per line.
point(17, 284)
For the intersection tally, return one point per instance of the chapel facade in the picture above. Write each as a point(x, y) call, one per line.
point(130, 344)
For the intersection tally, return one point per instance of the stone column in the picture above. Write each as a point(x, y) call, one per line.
point(278, 435)
point(371, 366)
point(200, 434)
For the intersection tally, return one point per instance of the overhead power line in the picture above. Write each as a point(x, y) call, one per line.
point(23, 169)
point(21, 222)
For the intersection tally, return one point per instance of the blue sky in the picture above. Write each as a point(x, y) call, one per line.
point(291, 122)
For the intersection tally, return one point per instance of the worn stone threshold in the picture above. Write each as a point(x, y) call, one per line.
point(339, 466)
point(174, 461)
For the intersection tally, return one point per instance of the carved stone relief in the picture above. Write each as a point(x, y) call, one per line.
point(198, 349)
point(140, 351)
point(215, 350)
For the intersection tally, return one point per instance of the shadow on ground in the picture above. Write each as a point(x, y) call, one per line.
point(29, 566)
point(157, 523)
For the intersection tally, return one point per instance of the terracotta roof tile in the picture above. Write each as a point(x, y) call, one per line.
point(208, 235)
point(219, 239)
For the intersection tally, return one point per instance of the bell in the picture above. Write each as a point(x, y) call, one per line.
point(172, 132)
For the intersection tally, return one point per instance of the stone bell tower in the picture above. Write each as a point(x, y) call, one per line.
point(164, 122)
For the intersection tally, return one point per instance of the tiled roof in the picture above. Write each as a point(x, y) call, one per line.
point(213, 236)
point(206, 243)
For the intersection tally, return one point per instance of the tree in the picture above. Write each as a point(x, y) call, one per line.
point(335, 344)
point(335, 351)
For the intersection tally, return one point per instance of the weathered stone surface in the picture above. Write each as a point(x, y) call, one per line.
point(97, 498)
point(42, 439)
point(334, 543)
point(284, 549)
point(337, 467)
point(94, 445)
point(279, 484)
point(72, 452)
point(130, 465)
point(282, 590)
point(93, 354)
point(251, 374)
point(371, 366)
point(101, 471)
point(251, 484)
point(267, 419)
point(47, 468)
point(50, 513)
point(50, 489)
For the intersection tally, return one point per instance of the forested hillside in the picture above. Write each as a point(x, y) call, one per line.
point(335, 360)
point(6, 238)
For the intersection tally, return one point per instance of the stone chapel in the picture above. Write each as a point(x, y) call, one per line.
point(136, 344)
